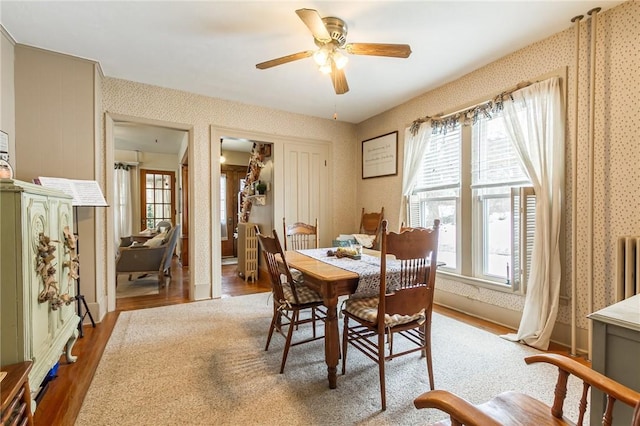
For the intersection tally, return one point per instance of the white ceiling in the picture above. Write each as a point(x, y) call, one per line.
point(211, 47)
point(145, 138)
point(130, 136)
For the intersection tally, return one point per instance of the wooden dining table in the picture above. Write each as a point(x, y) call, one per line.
point(331, 282)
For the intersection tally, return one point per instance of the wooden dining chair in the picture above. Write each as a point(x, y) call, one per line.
point(517, 408)
point(403, 306)
point(300, 236)
point(370, 224)
point(404, 227)
point(291, 297)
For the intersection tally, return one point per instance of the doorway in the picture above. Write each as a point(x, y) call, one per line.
point(155, 152)
point(235, 154)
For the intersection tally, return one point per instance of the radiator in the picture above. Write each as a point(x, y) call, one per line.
point(247, 251)
point(627, 267)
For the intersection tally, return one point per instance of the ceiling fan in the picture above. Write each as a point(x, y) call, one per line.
point(330, 35)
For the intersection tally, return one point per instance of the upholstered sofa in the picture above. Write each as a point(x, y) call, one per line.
point(152, 257)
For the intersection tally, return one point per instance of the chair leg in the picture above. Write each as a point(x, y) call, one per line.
point(292, 325)
point(345, 343)
point(276, 315)
point(313, 321)
point(383, 391)
point(427, 342)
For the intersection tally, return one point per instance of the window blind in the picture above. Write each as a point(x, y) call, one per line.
point(495, 160)
point(441, 164)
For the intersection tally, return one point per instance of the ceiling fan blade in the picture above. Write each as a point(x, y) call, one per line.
point(339, 80)
point(379, 49)
point(284, 59)
point(313, 21)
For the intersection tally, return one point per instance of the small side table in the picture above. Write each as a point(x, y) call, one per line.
point(16, 397)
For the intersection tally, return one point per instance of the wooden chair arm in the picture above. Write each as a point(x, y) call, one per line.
point(458, 408)
point(593, 378)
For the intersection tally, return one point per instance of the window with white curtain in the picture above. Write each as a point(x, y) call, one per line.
point(472, 180)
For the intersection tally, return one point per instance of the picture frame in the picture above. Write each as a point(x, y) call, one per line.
point(380, 156)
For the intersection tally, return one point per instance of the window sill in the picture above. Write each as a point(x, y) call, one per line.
point(478, 282)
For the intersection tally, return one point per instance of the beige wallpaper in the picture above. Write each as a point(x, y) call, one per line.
point(7, 93)
point(617, 145)
point(151, 102)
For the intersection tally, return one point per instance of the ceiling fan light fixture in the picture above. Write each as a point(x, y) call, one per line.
point(330, 36)
point(321, 56)
point(325, 68)
point(340, 59)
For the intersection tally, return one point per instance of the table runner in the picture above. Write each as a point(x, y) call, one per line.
point(367, 267)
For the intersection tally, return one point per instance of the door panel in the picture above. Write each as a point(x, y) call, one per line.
point(157, 197)
point(306, 180)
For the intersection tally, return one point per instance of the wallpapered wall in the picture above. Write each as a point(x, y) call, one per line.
point(7, 94)
point(617, 146)
point(151, 102)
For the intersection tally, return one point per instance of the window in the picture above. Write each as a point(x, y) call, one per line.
point(437, 193)
point(471, 180)
point(495, 170)
point(157, 197)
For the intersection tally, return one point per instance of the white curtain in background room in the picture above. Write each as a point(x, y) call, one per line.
point(539, 140)
point(123, 212)
point(415, 147)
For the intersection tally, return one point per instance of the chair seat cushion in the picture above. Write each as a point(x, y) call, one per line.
point(297, 275)
point(305, 294)
point(366, 308)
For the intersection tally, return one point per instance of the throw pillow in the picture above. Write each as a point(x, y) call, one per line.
point(156, 241)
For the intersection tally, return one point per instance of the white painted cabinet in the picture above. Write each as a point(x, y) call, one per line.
point(32, 329)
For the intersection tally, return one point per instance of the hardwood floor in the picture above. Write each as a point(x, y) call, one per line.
point(63, 398)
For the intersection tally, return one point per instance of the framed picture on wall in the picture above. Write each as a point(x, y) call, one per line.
point(380, 156)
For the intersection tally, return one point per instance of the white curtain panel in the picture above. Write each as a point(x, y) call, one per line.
point(123, 212)
point(415, 147)
point(540, 144)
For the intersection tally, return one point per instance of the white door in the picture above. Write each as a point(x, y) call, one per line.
point(306, 186)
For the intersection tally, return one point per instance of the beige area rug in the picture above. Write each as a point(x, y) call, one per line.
point(137, 287)
point(204, 363)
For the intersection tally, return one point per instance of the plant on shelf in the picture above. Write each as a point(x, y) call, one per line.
point(261, 188)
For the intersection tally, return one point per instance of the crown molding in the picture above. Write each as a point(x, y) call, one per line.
point(6, 33)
